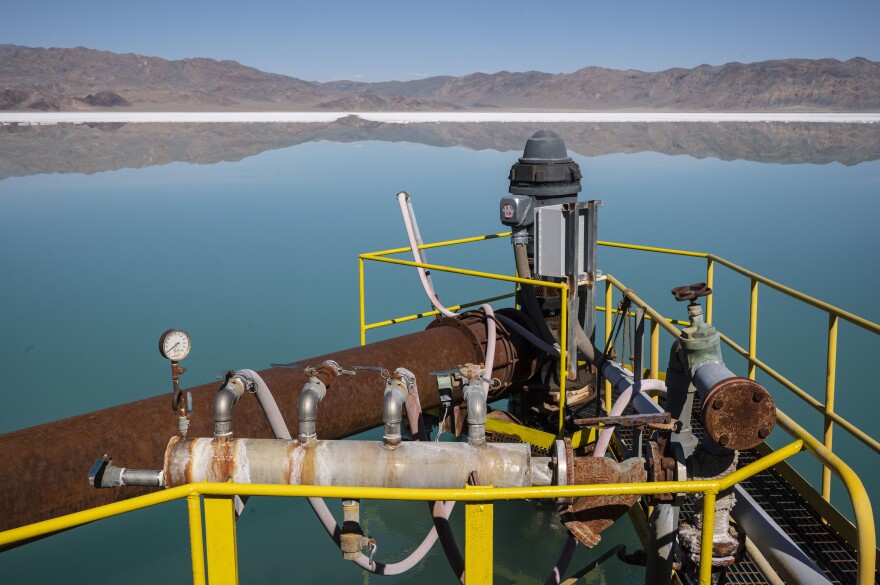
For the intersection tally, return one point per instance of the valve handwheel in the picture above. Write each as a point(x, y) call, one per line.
point(691, 291)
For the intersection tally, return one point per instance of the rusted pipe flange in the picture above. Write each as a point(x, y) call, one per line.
point(738, 413)
point(588, 516)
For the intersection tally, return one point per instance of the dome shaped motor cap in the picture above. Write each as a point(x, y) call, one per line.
point(545, 147)
point(545, 169)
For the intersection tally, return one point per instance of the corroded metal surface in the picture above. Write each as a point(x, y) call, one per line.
point(738, 413)
point(589, 516)
point(55, 457)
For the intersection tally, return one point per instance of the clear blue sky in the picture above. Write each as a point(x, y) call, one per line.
point(381, 40)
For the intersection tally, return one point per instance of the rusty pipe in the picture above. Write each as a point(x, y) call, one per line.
point(346, 463)
point(138, 432)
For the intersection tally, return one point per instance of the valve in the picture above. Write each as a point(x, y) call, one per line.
point(691, 291)
point(351, 537)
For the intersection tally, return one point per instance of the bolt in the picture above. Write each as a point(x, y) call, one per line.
point(718, 404)
point(758, 396)
point(723, 440)
point(763, 433)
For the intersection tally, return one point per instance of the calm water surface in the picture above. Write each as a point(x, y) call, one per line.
point(257, 259)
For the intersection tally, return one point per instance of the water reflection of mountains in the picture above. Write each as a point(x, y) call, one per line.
point(63, 148)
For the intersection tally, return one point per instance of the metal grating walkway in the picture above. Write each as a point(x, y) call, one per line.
point(786, 507)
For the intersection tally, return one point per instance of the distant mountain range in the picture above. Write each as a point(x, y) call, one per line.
point(92, 148)
point(80, 78)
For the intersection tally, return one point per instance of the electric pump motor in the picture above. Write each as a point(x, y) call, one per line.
point(554, 240)
point(544, 175)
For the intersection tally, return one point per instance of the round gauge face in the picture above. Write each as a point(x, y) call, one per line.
point(175, 344)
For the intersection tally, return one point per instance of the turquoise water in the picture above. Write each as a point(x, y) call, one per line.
point(257, 259)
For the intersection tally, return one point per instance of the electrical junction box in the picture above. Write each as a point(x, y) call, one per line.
point(560, 240)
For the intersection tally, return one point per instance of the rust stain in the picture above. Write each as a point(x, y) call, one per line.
point(166, 472)
point(307, 473)
point(222, 460)
point(287, 466)
point(589, 516)
point(188, 471)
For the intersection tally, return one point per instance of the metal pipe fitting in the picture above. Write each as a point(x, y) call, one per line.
point(393, 401)
point(229, 394)
point(307, 410)
point(104, 474)
point(475, 395)
point(351, 536)
point(543, 471)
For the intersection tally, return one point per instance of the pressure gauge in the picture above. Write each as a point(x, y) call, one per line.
point(174, 344)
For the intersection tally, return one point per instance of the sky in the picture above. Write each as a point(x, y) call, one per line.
point(324, 40)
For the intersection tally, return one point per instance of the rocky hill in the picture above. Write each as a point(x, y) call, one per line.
point(782, 85)
point(80, 78)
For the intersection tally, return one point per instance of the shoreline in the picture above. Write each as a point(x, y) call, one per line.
point(49, 118)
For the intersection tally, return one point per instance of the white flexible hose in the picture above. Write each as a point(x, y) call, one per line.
point(405, 208)
point(325, 516)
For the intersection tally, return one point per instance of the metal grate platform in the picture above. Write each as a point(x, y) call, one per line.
point(786, 507)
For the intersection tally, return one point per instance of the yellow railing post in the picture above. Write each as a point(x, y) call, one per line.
point(563, 358)
point(655, 349)
point(753, 328)
point(361, 300)
point(710, 282)
point(196, 544)
point(478, 542)
point(608, 311)
point(706, 538)
point(830, 377)
point(220, 540)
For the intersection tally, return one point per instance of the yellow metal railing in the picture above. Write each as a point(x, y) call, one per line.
point(750, 352)
point(864, 517)
point(382, 256)
point(657, 321)
point(216, 558)
point(821, 450)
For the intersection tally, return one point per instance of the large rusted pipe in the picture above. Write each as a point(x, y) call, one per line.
point(48, 464)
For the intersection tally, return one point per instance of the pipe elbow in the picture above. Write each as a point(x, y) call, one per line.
point(307, 410)
point(229, 394)
point(476, 407)
point(223, 403)
point(392, 413)
point(476, 416)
